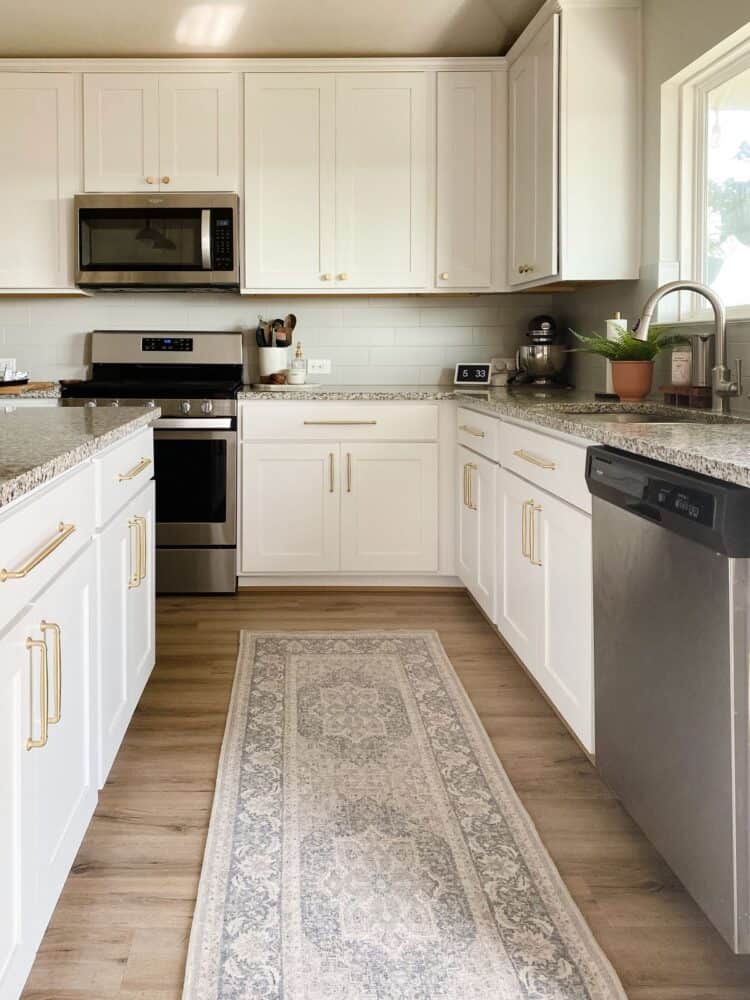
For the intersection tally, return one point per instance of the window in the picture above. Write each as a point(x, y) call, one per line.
point(704, 200)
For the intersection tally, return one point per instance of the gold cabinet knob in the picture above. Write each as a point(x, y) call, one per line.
point(343, 276)
point(327, 276)
point(444, 276)
point(165, 180)
point(521, 269)
point(150, 179)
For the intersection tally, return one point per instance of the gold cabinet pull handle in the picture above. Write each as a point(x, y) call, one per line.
point(142, 547)
point(541, 463)
point(466, 488)
point(63, 531)
point(31, 743)
point(348, 472)
point(471, 468)
point(534, 509)
point(524, 529)
point(331, 473)
point(474, 431)
point(144, 463)
point(339, 423)
point(55, 629)
point(134, 579)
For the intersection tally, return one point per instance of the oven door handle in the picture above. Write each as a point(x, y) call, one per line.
point(193, 423)
point(206, 239)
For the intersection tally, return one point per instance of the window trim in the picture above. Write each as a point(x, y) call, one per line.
point(684, 148)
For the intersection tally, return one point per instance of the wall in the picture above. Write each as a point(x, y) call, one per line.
point(404, 340)
point(675, 33)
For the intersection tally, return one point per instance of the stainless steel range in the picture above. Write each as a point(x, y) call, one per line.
point(194, 378)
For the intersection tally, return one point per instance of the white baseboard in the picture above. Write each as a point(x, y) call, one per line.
point(347, 580)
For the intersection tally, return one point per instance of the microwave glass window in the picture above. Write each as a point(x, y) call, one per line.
point(133, 240)
point(182, 496)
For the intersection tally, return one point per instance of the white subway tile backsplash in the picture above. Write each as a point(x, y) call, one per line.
point(406, 340)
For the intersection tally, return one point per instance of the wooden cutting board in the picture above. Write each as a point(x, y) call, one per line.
point(20, 390)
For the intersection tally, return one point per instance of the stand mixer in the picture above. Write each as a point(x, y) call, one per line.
point(541, 361)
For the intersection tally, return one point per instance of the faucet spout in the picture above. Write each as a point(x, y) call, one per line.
point(724, 384)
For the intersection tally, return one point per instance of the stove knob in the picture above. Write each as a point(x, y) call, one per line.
point(185, 406)
point(150, 404)
point(115, 402)
point(207, 406)
point(90, 402)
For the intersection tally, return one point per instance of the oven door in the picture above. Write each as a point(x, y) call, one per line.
point(196, 487)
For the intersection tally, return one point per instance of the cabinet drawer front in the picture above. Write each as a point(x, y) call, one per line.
point(40, 536)
point(122, 472)
point(556, 465)
point(477, 431)
point(336, 421)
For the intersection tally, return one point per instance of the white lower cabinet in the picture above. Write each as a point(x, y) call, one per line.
point(545, 607)
point(48, 793)
point(476, 545)
point(388, 507)
point(290, 507)
point(126, 633)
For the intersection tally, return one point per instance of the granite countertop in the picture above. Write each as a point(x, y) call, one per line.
point(352, 392)
point(51, 393)
point(698, 440)
point(39, 443)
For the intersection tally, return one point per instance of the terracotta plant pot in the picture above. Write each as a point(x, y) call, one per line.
point(631, 380)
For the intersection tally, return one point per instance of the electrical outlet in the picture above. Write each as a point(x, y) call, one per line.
point(319, 366)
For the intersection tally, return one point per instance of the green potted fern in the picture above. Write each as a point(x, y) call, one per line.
point(632, 359)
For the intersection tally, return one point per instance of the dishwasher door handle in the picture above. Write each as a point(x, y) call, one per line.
point(645, 510)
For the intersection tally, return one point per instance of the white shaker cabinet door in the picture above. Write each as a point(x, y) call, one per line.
point(199, 131)
point(388, 507)
point(39, 174)
point(519, 580)
point(19, 690)
point(289, 180)
point(534, 156)
point(290, 507)
point(382, 166)
point(566, 670)
point(141, 625)
point(464, 180)
point(64, 783)
point(477, 528)
point(121, 131)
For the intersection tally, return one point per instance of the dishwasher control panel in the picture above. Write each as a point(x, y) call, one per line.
point(695, 505)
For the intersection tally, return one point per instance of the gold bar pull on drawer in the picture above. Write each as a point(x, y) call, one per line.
point(474, 431)
point(541, 463)
point(57, 632)
point(63, 531)
point(144, 463)
point(31, 743)
point(339, 423)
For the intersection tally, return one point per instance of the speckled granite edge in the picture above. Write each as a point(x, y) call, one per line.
point(53, 393)
point(717, 447)
point(347, 394)
point(18, 486)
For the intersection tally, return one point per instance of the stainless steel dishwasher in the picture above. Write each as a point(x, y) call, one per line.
point(671, 571)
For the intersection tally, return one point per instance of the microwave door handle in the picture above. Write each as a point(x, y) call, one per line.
point(206, 239)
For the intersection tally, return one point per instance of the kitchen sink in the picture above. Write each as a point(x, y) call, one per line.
point(617, 417)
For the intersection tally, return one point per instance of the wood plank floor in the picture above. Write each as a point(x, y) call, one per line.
point(121, 927)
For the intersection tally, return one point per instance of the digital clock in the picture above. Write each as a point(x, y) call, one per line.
point(472, 374)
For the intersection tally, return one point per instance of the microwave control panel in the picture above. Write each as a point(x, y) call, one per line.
point(222, 240)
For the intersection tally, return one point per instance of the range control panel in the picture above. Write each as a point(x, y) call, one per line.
point(166, 343)
point(695, 505)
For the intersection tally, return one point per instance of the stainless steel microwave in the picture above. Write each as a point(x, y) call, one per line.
point(148, 241)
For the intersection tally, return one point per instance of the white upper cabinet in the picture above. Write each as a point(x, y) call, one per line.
point(289, 185)
point(381, 180)
point(464, 180)
point(121, 131)
point(39, 174)
point(574, 144)
point(533, 117)
point(171, 131)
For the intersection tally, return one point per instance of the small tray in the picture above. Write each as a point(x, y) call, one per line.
point(268, 387)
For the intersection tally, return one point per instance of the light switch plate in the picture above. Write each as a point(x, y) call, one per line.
point(321, 366)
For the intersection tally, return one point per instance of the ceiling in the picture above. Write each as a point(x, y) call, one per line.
point(261, 27)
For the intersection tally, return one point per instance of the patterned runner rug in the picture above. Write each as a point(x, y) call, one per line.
point(366, 844)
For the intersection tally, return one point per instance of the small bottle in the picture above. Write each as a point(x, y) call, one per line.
point(298, 368)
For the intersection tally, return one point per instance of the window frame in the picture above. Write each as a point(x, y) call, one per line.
point(683, 187)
